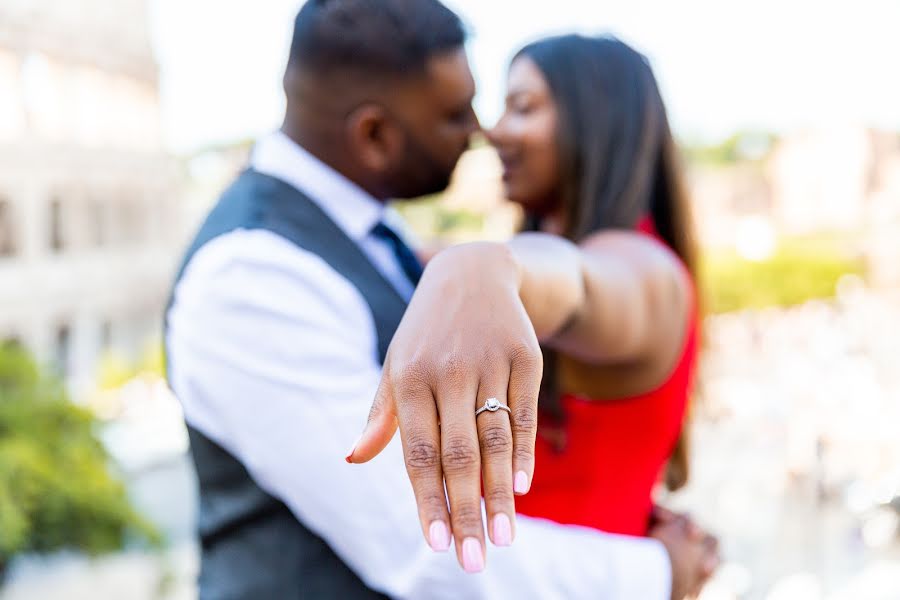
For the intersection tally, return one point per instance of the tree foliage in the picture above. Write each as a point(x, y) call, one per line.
point(57, 486)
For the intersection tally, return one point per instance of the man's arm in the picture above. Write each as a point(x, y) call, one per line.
point(274, 360)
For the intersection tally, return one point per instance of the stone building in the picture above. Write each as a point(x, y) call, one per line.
point(90, 211)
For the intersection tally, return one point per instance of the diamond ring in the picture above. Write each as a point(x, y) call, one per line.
point(492, 405)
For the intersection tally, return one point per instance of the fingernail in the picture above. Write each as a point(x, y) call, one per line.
point(439, 536)
point(710, 564)
point(349, 457)
point(520, 485)
point(502, 530)
point(473, 557)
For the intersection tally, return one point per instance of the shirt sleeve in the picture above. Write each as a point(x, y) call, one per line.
point(273, 357)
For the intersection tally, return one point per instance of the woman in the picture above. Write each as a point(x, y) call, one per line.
point(586, 148)
point(603, 282)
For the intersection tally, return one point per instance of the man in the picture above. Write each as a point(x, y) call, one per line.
point(281, 318)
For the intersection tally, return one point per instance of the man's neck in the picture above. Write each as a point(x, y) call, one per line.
point(327, 152)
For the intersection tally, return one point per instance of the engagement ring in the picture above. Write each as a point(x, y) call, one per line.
point(492, 405)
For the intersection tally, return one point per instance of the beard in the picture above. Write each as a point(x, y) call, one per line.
point(418, 172)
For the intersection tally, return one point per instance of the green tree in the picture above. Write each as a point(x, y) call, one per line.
point(57, 488)
point(743, 146)
point(800, 270)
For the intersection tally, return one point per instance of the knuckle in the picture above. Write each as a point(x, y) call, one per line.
point(498, 495)
point(409, 375)
point(490, 359)
point(525, 419)
point(422, 455)
point(432, 503)
point(495, 439)
point(523, 453)
point(459, 455)
point(526, 355)
point(453, 367)
point(466, 516)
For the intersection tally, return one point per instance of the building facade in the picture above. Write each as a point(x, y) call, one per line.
point(91, 220)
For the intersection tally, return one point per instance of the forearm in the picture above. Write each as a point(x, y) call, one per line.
point(618, 297)
point(546, 270)
point(589, 306)
point(551, 281)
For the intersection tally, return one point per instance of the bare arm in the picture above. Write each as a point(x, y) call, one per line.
point(471, 333)
point(619, 297)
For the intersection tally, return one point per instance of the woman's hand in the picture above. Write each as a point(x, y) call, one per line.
point(694, 553)
point(471, 333)
point(465, 338)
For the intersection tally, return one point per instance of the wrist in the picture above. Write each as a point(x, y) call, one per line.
point(493, 261)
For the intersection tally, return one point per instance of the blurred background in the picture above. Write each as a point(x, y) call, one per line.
point(121, 121)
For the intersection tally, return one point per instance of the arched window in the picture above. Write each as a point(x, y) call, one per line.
point(57, 226)
point(62, 349)
point(8, 230)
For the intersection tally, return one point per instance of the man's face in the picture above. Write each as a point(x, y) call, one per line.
point(436, 116)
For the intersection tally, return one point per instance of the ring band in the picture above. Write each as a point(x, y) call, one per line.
point(492, 405)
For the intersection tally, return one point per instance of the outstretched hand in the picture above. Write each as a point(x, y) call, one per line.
point(464, 339)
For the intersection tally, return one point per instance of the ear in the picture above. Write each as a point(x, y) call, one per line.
point(374, 137)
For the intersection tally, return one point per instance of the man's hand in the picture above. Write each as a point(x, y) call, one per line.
point(693, 552)
point(465, 338)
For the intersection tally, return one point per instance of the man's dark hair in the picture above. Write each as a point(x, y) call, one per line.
point(379, 38)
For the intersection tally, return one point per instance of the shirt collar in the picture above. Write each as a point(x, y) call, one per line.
point(352, 209)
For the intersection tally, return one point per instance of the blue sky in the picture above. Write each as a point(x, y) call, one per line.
point(722, 65)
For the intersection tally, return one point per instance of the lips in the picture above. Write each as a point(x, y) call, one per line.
point(510, 164)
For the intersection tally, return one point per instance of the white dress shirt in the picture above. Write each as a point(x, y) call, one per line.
point(276, 358)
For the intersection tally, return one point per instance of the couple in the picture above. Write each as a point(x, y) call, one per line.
point(299, 301)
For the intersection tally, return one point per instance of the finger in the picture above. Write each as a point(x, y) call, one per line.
point(421, 436)
point(380, 427)
point(694, 532)
point(461, 464)
point(709, 562)
point(660, 515)
point(495, 439)
point(526, 366)
point(711, 558)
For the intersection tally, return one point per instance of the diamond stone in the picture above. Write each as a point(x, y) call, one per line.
point(492, 404)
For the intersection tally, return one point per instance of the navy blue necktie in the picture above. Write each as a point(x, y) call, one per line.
point(408, 261)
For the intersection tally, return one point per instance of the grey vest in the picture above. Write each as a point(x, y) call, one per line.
point(253, 547)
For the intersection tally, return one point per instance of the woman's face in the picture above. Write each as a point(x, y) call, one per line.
point(526, 139)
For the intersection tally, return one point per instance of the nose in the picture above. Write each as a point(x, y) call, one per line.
point(494, 134)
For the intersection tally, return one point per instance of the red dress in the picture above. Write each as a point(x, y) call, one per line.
point(615, 452)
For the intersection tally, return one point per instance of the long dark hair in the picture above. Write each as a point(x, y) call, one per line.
point(618, 162)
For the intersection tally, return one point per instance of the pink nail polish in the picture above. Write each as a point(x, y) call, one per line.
point(439, 536)
point(520, 485)
point(502, 530)
point(473, 557)
point(349, 457)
